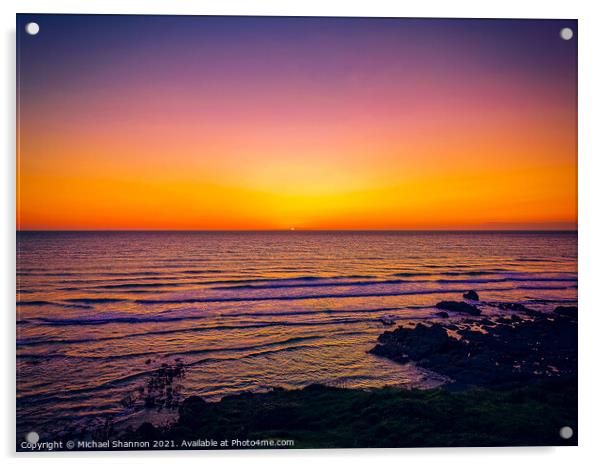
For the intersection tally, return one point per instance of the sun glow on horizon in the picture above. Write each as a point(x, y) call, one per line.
point(240, 125)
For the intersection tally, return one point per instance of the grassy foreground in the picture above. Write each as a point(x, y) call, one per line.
point(325, 417)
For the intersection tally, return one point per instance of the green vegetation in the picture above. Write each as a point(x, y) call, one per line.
point(326, 417)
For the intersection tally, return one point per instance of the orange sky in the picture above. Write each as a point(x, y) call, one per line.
point(306, 138)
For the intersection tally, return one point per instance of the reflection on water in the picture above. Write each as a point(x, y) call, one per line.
point(98, 312)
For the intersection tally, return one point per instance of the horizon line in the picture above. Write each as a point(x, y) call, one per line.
point(296, 230)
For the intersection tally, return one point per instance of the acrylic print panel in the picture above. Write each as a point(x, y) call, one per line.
point(272, 232)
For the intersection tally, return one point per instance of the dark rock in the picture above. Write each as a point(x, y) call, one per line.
point(455, 306)
point(503, 320)
point(442, 314)
point(148, 431)
point(387, 321)
point(472, 295)
point(512, 351)
point(422, 341)
point(192, 409)
point(532, 313)
point(516, 307)
point(568, 311)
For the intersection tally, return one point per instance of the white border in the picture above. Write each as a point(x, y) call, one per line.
point(590, 224)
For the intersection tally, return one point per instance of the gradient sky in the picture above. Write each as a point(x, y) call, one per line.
point(155, 122)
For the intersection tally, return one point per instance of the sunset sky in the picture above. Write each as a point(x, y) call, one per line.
point(154, 122)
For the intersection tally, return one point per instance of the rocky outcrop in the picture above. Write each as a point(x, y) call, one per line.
point(510, 349)
point(461, 307)
point(414, 344)
point(471, 295)
point(569, 311)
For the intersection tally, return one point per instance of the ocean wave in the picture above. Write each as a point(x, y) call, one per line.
point(243, 326)
point(94, 300)
point(52, 303)
point(67, 395)
point(548, 288)
point(143, 283)
point(319, 296)
point(177, 354)
point(161, 317)
point(388, 282)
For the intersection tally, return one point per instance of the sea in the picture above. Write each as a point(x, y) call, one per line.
point(99, 313)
